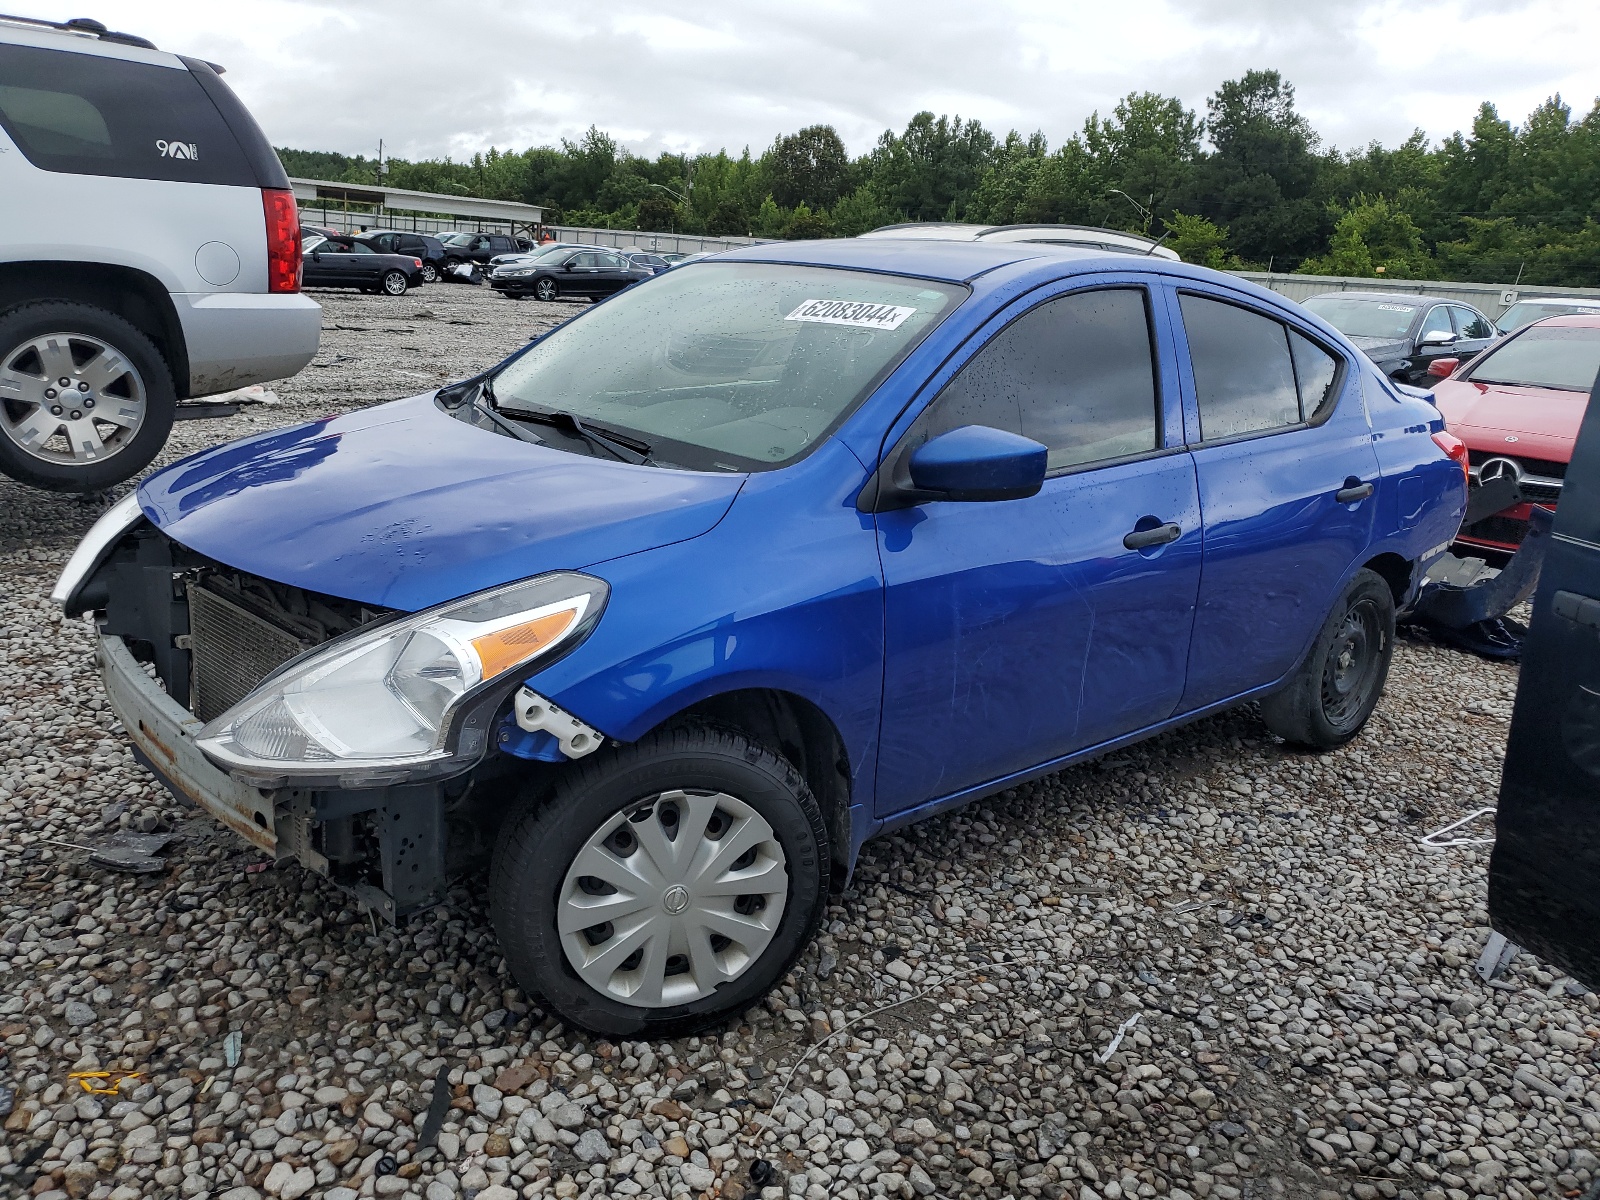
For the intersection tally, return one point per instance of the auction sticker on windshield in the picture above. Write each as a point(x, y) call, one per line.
point(863, 314)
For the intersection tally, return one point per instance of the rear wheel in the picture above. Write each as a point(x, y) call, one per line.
point(665, 884)
point(1339, 684)
point(86, 400)
point(394, 283)
point(430, 273)
point(546, 289)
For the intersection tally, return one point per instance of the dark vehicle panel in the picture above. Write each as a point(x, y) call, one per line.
point(412, 245)
point(349, 262)
point(1544, 871)
point(477, 247)
point(589, 272)
point(1404, 334)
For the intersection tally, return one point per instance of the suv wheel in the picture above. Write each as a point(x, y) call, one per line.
point(663, 886)
point(86, 400)
point(545, 289)
point(430, 273)
point(394, 283)
point(1335, 690)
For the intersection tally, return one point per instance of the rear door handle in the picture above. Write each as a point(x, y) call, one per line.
point(1581, 609)
point(1141, 539)
point(1352, 491)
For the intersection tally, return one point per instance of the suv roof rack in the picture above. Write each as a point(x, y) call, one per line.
point(84, 25)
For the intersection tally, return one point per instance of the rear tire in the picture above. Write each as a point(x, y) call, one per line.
point(616, 805)
point(78, 449)
point(430, 273)
point(394, 283)
point(1340, 682)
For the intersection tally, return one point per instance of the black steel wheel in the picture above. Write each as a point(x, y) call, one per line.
point(1331, 695)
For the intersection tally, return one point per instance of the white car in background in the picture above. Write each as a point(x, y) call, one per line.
point(150, 254)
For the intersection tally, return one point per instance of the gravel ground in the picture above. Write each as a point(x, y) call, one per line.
point(1297, 970)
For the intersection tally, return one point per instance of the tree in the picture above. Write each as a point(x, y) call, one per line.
point(803, 224)
point(657, 214)
point(933, 168)
point(1197, 240)
point(1372, 237)
point(729, 219)
point(810, 167)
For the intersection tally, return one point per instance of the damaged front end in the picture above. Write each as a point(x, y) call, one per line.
point(352, 738)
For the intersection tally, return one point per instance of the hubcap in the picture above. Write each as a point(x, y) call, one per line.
point(394, 284)
point(546, 290)
point(1352, 667)
point(669, 900)
point(70, 398)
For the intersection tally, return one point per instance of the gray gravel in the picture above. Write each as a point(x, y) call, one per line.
point(1308, 1021)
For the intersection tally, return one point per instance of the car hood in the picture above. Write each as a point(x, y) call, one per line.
point(1495, 408)
point(404, 506)
point(1377, 348)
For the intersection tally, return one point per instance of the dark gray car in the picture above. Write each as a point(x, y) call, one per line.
point(1401, 333)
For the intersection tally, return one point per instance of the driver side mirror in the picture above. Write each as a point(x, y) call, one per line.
point(1437, 337)
point(977, 463)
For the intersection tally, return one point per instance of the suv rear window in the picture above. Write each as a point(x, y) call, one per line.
point(86, 114)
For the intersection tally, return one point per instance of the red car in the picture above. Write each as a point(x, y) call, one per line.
point(1518, 406)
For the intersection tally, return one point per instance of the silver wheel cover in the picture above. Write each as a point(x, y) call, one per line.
point(70, 398)
point(671, 898)
point(394, 283)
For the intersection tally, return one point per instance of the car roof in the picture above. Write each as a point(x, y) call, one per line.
point(929, 258)
point(1568, 321)
point(1406, 297)
point(1092, 236)
point(1575, 301)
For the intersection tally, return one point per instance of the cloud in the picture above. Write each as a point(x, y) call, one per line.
point(678, 76)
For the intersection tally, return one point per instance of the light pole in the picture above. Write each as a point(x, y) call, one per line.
point(1144, 212)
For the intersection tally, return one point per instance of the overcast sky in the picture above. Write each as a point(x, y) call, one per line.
point(434, 79)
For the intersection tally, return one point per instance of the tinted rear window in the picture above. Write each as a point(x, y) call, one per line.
point(89, 115)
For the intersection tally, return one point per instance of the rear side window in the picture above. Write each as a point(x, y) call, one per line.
point(1252, 373)
point(1470, 324)
point(85, 114)
point(1076, 374)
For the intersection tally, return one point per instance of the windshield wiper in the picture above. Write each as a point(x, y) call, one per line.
point(483, 402)
point(630, 450)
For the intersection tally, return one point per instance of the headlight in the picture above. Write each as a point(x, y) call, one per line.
point(103, 534)
point(521, 271)
point(379, 705)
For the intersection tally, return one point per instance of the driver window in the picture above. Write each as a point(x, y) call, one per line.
point(1076, 373)
point(1437, 321)
point(585, 260)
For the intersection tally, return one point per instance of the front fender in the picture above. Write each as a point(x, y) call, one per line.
point(784, 593)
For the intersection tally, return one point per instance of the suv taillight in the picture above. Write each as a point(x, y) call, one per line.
point(283, 240)
point(1457, 450)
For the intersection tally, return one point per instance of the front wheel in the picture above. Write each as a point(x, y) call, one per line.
point(394, 283)
point(545, 289)
point(1333, 693)
point(663, 886)
point(86, 400)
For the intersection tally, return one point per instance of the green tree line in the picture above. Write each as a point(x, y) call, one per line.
point(1247, 185)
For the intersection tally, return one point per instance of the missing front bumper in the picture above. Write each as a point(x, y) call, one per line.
point(405, 824)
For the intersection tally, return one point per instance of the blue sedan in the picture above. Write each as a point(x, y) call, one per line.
point(661, 618)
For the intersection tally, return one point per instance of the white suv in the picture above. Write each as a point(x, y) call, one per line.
point(150, 251)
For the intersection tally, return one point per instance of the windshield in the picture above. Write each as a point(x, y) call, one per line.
point(1387, 319)
point(1548, 356)
point(729, 365)
point(457, 239)
point(1526, 312)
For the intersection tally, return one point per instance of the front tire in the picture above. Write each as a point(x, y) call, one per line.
point(546, 290)
point(663, 886)
point(91, 402)
point(394, 283)
point(1340, 682)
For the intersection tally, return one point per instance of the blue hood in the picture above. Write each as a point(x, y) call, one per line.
point(404, 506)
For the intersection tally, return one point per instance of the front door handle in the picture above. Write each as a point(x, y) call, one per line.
point(1142, 539)
point(1352, 491)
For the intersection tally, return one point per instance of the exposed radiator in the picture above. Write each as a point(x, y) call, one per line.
point(231, 650)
